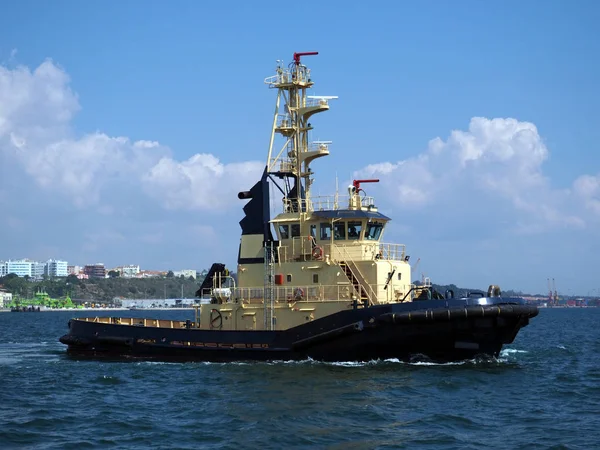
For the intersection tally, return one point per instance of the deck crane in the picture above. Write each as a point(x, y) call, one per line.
point(550, 296)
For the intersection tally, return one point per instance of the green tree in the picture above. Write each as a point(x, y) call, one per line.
point(170, 274)
point(14, 283)
point(113, 274)
point(72, 279)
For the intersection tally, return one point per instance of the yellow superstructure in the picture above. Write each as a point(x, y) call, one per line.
point(319, 255)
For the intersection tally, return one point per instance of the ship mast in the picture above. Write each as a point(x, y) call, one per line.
point(293, 108)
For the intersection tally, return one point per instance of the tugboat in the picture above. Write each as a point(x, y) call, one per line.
point(315, 281)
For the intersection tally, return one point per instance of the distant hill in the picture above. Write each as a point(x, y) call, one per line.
point(104, 289)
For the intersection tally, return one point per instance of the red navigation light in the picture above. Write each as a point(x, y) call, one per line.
point(298, 55)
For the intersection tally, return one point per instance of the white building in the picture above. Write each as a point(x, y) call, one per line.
point(5, 298)
point(20, 267)
point(3, 268)
point(130, 271)
point(186, 273)
point(38, 270)
point(56, 268)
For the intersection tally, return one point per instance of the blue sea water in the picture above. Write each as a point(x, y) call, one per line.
point(543, 392)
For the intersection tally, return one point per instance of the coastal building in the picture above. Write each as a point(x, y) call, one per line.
point(38, 270)
point(150, 274)
point(5, 298)
point(95, 270)
point(20, 267)
point(186, 273)
point(3, 268)
point(130, 271)
point(73, 270)
point(56, 268)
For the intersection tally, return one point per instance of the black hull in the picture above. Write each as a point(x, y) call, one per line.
point(436, 329)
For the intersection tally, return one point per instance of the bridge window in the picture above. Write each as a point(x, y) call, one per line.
point(374, 230)
point(354, 229)
point(325, 231)
point(284, 232)
point(295, 230)
point(339, 230)
point(313, 231)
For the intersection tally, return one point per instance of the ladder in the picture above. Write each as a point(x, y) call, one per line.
point(269, 287)
point(359, 288)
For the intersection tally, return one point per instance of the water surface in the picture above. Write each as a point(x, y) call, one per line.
point(543, 392)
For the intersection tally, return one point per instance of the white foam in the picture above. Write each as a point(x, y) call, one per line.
point(507, 351)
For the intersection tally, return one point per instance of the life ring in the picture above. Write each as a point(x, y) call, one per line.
point(216, 319)
point(317, 252)
point(299, 294)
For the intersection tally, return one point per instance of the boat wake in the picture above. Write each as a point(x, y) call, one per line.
point(504, 358)
point(18, 352)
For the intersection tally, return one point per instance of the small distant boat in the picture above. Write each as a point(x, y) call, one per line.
point(315, 281)
point(25, 309)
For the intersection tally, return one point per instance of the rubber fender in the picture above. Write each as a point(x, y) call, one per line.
point(457, 313)
point(445, 314)
point(68, 339)
point(419, 315)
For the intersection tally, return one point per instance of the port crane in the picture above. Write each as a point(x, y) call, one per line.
point(415, 265)
point(552, 293)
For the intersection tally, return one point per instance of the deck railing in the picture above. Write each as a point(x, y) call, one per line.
point(137, 321)
point(303, 293)
point(301, 249)
point(286, 76)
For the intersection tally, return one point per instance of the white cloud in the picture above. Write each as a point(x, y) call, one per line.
point(36, 109)
point(494, 168)
point(587, 188)
point(201, 182)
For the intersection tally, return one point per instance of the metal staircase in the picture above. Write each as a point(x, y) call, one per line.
point(366, 295)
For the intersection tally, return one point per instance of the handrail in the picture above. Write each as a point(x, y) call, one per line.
point(312, 102)
point(294, 293)
point(314, 146)
point(300, 74)
point(284, 121)
point(138, 321)
point(361, 281)
point(394, 252)
point(333, 202)
point(301, 247)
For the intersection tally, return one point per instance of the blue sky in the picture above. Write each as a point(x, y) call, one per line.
point(126, 128)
